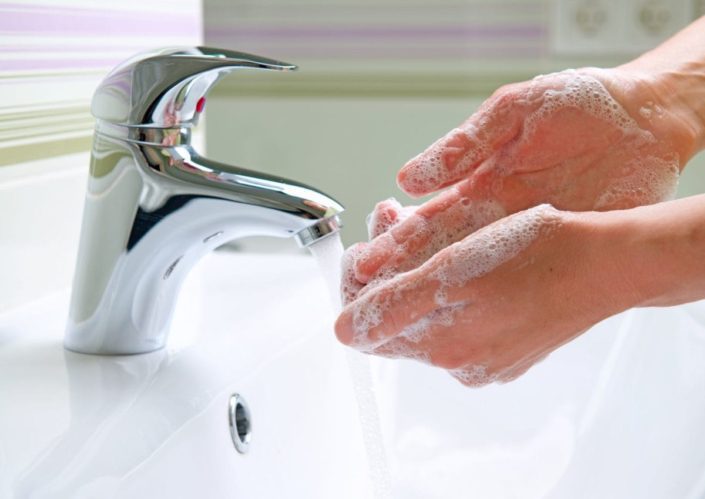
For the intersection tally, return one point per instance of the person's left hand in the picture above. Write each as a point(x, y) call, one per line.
point(492, 305)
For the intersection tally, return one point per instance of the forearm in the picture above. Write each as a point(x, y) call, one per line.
point(675, 73)
point(657, 251)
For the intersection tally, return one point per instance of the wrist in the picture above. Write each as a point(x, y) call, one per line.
point(669, 101)
point(675, 73)
point(608, 271)
point(680, 89)
point(653, 254)
point(683, 89)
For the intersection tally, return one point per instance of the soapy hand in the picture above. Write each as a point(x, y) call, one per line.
point(580, 140)
point(489, 307)
point(455, 284)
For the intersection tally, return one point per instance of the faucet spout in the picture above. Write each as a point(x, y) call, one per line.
point(154, 207)
point(254, 203)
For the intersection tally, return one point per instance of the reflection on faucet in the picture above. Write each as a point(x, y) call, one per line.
point(154, 204)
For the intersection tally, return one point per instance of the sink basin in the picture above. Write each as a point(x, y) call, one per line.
point(615, 414)
point(157, 425)
point(618, 413)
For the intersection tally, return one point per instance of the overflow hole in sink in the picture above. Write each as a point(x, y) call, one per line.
point(240, 419)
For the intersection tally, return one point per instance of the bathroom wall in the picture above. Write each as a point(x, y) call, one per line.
point(380, 80)
point(52, 55)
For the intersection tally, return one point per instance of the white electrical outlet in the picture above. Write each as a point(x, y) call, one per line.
point(584, 26)
point(649, 22)
point(626, 27)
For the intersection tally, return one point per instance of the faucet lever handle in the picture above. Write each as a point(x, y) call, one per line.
point(235, 59)
point(164, 88)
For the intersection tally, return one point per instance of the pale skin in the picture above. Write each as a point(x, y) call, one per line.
point(602, 156)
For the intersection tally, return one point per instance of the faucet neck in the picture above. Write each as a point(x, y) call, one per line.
point(154, 206)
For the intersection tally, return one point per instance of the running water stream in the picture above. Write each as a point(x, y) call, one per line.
point(328, 252)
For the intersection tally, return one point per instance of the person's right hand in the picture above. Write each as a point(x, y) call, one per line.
point(580, 140)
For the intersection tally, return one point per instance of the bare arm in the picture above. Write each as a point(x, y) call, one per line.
point(659, 250)
point(673, 76)
point(674, 72)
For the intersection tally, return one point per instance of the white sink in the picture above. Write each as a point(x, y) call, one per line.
point(156, 425)
point(616, 414)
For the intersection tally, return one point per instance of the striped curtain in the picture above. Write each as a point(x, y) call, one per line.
point(383, 47)
point(355, 34)
point(53, 54)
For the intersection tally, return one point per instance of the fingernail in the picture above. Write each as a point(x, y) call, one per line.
point(408, 181)
point(344, 328)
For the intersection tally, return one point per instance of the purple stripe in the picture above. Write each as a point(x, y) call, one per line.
point(43, 49)
point(387, 32)
point(78, 11)
point(337, 8)
point(81, 22)
point(407, 53)
point(42, 64)
point(56, 8)
point(298, 53)
point(43, 78)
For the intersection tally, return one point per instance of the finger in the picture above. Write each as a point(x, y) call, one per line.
point(387, 309)
point(349, 285)
point(385, 215)
point(456, 155)
point(473, 376)
point(476, 375)
point(436, 224)
point(453, 275)
point(401, 348)
point(431, 338)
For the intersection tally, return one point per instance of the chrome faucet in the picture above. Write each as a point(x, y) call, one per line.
point(154, 206)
